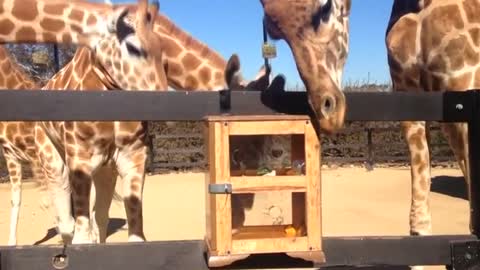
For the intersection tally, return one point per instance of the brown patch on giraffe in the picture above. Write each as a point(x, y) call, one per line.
point(205, 75)
point(70, 150)
point(25, 13)
point(7, 27)
point(53, 25)
point(461, 82)
point(76, 15)
point(55, 9)
point(401, 38)
point(477, 76)
point(40, 136)
point(441, 21)
point(152, 76)
point(417, 139)
point(69, 138)
point(471, 8)
point(174, 69)
point(84, 131)
point(67, 38)
point(117, 65)
point(218, 76)
point(171, 48)
point(453, 52)
point(69, 125)
point(475, 35)
point(76, 28)
point(125, 67)
point(29, 139)
point(191, 82)
point(20, 143)
point(26, 33)
point(91, 19)
point(191, 62)
point(438, 63)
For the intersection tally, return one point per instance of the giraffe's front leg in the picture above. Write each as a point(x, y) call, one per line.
point(104, 181)
point(81, 180)
point(15, 172)
point(130, 160)
point(56, 174)
point(131, 167)
point(420, 217)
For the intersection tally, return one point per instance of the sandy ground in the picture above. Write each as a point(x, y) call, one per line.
point(355, 202)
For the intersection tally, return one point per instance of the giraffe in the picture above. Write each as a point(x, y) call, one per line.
point(123, 46)
point(433, 46)
point(17, 141)
point(317, 34)
point(93, 152)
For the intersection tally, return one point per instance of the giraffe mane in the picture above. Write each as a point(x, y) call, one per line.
point(171, 29)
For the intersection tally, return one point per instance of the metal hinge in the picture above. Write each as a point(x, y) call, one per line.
point(220, 188)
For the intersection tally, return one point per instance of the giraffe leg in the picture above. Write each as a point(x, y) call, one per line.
point(56, 174)
point(15, 172)
point(131, 168)
point(420, 217)
point(81, 179)
point(104, 180)
point(457, 136)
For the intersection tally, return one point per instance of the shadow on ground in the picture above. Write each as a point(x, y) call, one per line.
point(114, 225)
point(453, 186)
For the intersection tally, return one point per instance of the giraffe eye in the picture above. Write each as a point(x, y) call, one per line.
point(322, 14)
point(135, 51)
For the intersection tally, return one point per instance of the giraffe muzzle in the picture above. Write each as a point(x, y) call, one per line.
point(329, 108)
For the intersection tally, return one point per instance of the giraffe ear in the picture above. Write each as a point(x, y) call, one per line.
point(347, 5)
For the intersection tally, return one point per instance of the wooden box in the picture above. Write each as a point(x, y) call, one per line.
point(302, 238)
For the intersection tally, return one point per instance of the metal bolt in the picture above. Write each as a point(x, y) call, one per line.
point(459, 106)
point(468, 256)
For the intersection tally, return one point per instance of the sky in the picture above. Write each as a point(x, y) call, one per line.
point(229, 27)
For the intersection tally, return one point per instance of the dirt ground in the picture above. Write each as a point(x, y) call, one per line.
point(355, 202)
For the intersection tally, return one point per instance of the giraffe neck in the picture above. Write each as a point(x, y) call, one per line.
point(82, 73)
point(12, 76)
point(190, 64)
point(59, 21)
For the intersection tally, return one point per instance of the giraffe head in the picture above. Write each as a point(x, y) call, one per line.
point(130, 58)
point(317, 33)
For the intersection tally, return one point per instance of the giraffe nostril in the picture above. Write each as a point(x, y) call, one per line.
point(277, 153)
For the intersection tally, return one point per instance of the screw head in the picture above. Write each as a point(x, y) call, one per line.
point(459, 106)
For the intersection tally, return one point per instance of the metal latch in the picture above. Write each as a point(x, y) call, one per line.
point(269, 51)
point(220, 188)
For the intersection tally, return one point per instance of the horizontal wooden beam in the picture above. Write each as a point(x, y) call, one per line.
point(339, 251)
point(252, 184)
point(195, 105)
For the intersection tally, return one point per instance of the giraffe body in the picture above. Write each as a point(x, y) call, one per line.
point(433, 46)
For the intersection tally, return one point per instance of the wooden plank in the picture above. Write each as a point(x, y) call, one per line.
point(220, 217)
point(269, 117)
point(252, 184)
point(154, 255)
point(313, 195)
point(266, 245)
point(266, 127)
point(93, 105)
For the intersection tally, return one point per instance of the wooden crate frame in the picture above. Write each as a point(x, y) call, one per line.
point(224, 249)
